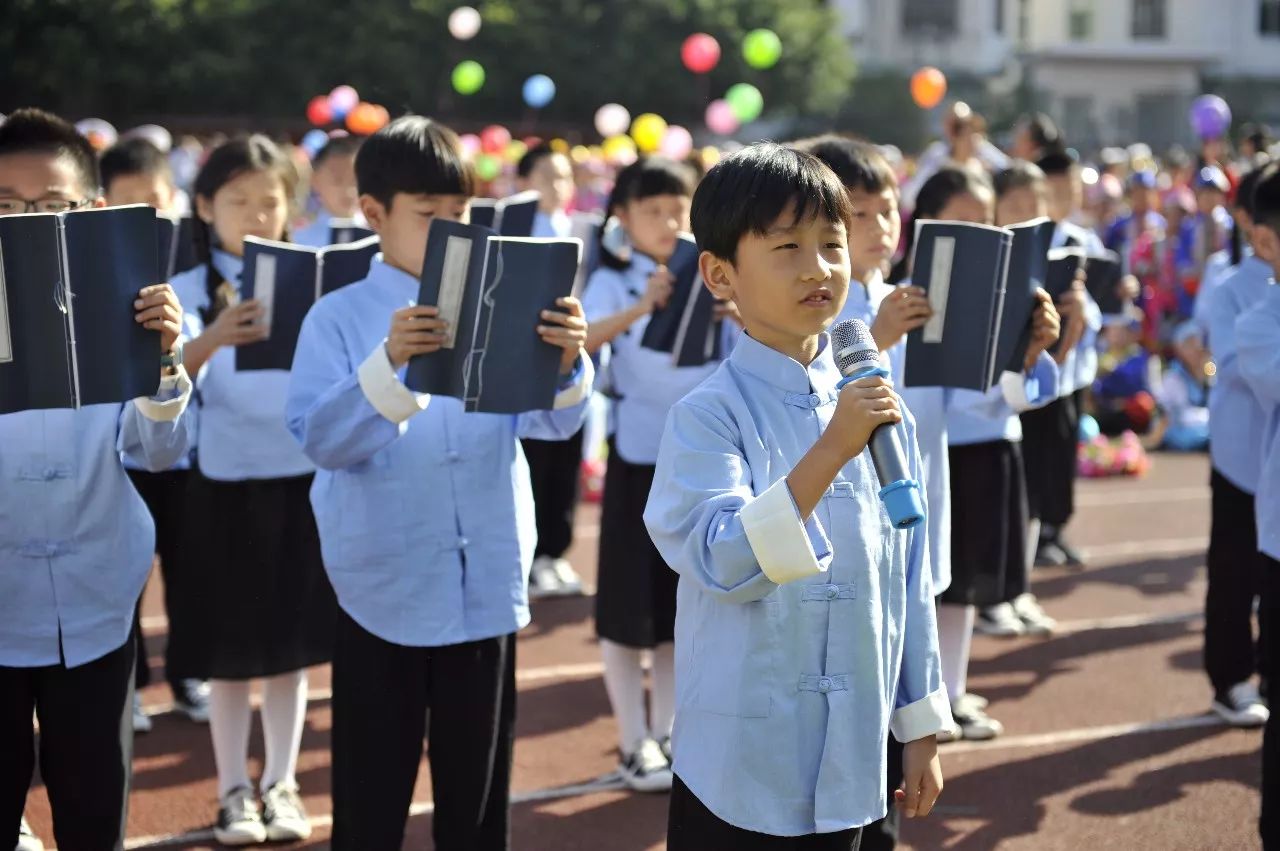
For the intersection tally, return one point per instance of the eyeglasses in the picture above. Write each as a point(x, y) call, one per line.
point(12, 206)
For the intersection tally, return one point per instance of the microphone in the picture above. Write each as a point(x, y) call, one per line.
point(857, 356)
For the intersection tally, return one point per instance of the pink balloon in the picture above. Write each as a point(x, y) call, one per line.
point(721, 119)
point(470, 143)
point(677, 143)
point(700, 53)
point(343, 99)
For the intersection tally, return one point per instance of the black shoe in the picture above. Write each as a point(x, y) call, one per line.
point(1049, 554)
point(1074, 559)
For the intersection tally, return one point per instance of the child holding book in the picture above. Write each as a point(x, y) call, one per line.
point(804, 616)
point(333, 181)
point(267, 609)
point(426, 518)
point(134, 171)
point(76, 541)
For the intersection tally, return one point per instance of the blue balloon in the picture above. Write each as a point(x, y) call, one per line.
point(314, 141)
point(539, 90)
point(1088, 428)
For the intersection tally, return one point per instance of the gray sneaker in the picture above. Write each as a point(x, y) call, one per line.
point(239, 820)
point(284, 815)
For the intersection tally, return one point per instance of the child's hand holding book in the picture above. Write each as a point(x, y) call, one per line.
point(159, 310)
point(903, 310)
point(1046, 327)
point(414, 331)
point(567, 329)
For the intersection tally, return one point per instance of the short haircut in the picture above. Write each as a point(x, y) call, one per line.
point(1019, 175)
point(1257, 134)
point(532, 157)
point(746, 192)
point(650, 176)
point(859, 165)
point(337, 146)
point(1044, 131)
point(1266, 198)
point(1057, 164)
point(413, 155)
point(133, 156)
point(34, 131)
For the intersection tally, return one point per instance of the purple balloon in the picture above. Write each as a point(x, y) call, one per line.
point(1210, 116)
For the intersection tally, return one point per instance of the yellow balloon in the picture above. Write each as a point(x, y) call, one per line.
point(710, 156)
point(580, 153)
point(648, 130)
point(619, 148)
point(560, 146)
point(515, 150)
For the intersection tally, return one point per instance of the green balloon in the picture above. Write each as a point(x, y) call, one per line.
point(746, 101)
point(468, 77)
point(487, 167)
point(762, 49)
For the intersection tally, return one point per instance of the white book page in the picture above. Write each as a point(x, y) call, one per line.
point(453, 285)
point(264, 288)
point(944, 249)
point(6, 340)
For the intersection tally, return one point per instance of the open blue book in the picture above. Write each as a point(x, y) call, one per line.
point(1028, 268)
point(588, 228)
point(287, 279)
point(511, 216)
point(175, 236)
point(686, 327)
point(342, 231)
point(68, 282)
point(1103, 275)
point(492, 291)
point(962, 268)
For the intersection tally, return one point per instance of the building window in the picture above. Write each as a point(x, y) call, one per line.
point(999, 4)
point(1269, 17)
point(1024, 22)
point(1149, 19)
point(1080, 20)
point(930, 18)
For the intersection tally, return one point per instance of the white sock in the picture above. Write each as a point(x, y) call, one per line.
point(1033, 541)
point(955, 635)
point(229, 718)
point(284, 709)
point(662, 698)
point(624, 681)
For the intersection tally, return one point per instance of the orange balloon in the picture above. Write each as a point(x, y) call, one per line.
point(365, 119)
point(928, 86)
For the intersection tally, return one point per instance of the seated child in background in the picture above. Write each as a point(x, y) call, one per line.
point(1122, 397)
point(1183, 396)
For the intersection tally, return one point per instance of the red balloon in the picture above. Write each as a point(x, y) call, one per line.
point(700, 53)
point(319, 112)
point(494, 139)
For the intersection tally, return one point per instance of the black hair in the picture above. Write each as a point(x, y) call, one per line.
point(746, 192)
point(1019, 175)
point(337, 146)
point(133, 156)
point(1266, 198)
point(29, 130)
point(1057, 164)
point(532, 157)
point(1258, 134)
point(1246, 202)
point(645, 178)
point(1044, 133)
point(413, 155)
point(857, 163)
point(932, 199)
point(227, 162)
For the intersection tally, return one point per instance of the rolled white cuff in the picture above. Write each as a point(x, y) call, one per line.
point(170, 400)
point(782, 543)
point(925, 717)
point(580, 389)
point(384, 390)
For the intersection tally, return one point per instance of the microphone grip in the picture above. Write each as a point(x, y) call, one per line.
point(888, 456)
point(898, 491)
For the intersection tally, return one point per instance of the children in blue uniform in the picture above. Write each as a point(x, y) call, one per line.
point(805, 620)
point(426, 520)
point(333, 181)
point(76, 541)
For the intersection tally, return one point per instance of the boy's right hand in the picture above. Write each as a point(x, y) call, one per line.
point(863, 406)
point(903, 310)
point(239, 324)
point(415, 331)
point(657, 291)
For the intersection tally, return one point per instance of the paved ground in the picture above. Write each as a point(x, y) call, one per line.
point(1107, 742)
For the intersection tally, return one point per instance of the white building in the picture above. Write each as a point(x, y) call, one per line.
point(1110, 71)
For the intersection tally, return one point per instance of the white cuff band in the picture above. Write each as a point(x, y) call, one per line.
point(925, 717)
point(160, 409)
point(581, 388)
point(384, 390)
point(778, 536)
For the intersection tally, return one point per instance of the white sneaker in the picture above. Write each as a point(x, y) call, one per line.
point(27, 840)
point(974, 722)
point(1241, 706)
point(1033, 617)
point(1000, 619)
point(647, 769)
point(570, 581)
point(193, 702)
point(543, 579)
point(141, 720)
point(283, 814)
point(239, 820)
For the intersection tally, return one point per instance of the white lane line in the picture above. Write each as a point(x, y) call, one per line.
point(1123, 622)
point(1142, 496)
point(1158, 547)
point(1085, 734)
point(607, 783)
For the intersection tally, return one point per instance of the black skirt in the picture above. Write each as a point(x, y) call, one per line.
point(1049, 452)
point(636, 591)
point(988, 524)
point(252, 557)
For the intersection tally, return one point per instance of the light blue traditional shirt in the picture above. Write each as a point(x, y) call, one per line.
point(1235, 415)
point(1216, 270)
point(76, 540)
point(555, 226)
point(800, 644)
point(1258, 345)
point(645, 382)
point(316, 234)
point(1080, 367)
point(242, 433)
point(425, 511)
point(974, 417)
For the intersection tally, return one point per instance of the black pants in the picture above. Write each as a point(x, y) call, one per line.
point(1269, 824)
point(882, 835)
point(693, 827)
point(1235, 571)
point(386, 699)
point(86, 747)
point(553, 472)
point(165, 494)
point(1049, 453)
